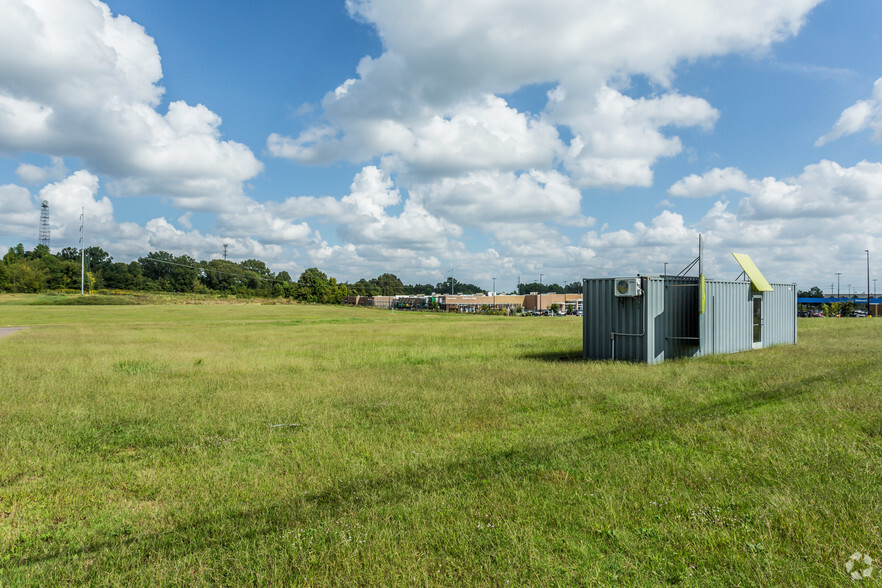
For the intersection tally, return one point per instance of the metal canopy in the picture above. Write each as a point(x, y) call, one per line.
point(757, 280)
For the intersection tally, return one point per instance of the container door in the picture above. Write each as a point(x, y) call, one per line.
point(757, 322)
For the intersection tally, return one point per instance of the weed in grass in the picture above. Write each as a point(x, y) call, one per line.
point(132, 366)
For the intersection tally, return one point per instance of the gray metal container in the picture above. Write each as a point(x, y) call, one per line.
point(666, 321)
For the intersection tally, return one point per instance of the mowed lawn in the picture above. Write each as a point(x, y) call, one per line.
point(313, 445)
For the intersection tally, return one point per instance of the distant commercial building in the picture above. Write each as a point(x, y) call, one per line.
point(570, 303)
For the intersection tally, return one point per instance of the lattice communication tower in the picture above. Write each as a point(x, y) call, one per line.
point(44, 224)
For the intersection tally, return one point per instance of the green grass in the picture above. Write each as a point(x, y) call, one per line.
point(305, 445)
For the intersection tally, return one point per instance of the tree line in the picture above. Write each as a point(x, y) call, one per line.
point(159, 271)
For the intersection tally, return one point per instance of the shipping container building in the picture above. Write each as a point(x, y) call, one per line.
point(652, 318)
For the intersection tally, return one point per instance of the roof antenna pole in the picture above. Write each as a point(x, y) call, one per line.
point(700, 254)
point(702, 294)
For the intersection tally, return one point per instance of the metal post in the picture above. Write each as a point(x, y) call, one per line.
point(868, 281)
point(700, 244)
point(494, 293)
point(838, 289)
point(82, 249)
point(540, 293)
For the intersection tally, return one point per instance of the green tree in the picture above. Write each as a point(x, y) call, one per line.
point(458, 287)
point(258, 276)
point(390, 285)
point(121, 276)
point(166, 272)
point(26, 276)
point(541, 288)
point(60, 274)
point(97, 258)
point(225, 276)
point(365, 288)
point(256, 266)
point(14, 254)
point(813, 292)
point(39, 252)
point(314, 286)
point(69, 254)
point(422, 289)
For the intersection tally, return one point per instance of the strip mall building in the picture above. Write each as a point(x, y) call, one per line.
point(473, 302)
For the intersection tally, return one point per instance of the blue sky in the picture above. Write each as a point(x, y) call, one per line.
point(500, 139)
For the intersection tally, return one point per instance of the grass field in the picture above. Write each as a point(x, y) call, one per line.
point(307, 445)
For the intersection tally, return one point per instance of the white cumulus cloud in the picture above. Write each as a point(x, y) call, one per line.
point(430, 104)
point(715, 181)
point(861, 115)
point(76, 80)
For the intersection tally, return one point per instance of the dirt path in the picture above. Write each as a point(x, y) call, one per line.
point(9, 330)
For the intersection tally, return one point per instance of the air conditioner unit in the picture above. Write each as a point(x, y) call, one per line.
point(628, 287)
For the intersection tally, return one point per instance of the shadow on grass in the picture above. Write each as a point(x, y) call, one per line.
point(223, 528)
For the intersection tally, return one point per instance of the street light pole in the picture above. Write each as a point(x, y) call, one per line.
point(540, 292)
point(494, 293)
point(868, 281)
point(838, 289)
point(666, 269)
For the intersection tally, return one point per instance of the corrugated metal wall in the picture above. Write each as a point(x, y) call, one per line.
point(727, 325)
point(597, 315)
point(779, 315)
point(603, 313)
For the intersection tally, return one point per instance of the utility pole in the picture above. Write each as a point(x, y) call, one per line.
point(494, 293)
point(82, 249)
point(540, 292)
point(868, 281)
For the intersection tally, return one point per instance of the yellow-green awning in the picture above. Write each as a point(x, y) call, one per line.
point(760, 284)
